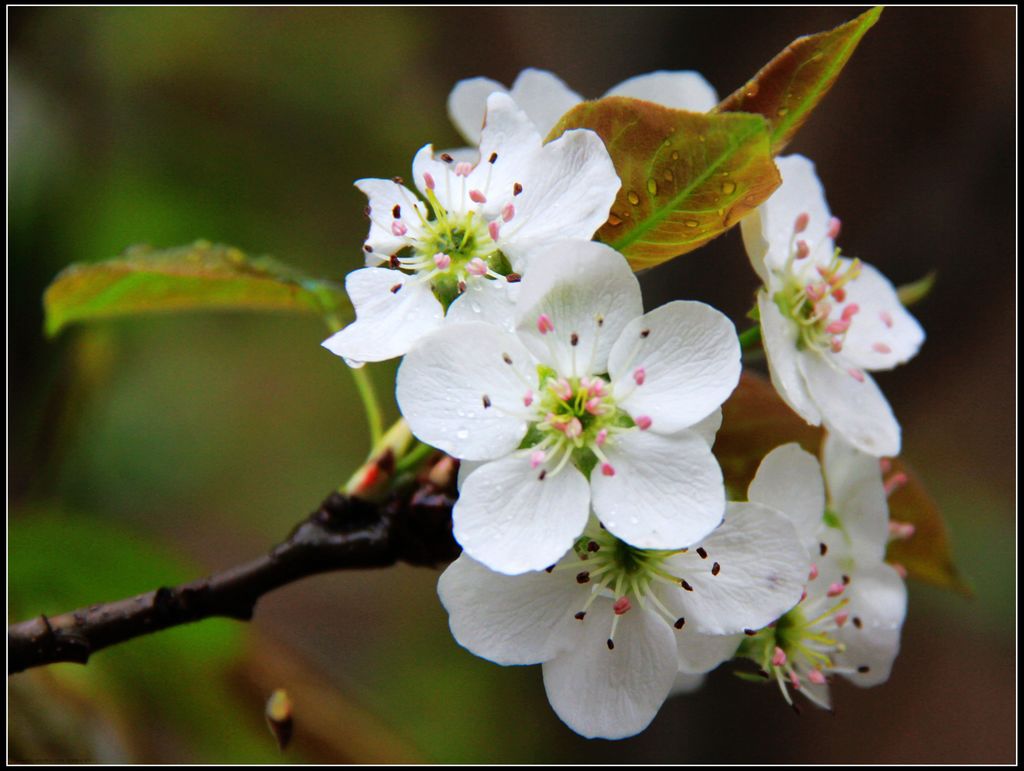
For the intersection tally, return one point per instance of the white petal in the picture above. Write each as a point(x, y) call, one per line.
point(584, 288)
point(708, 427)
point(682, 90)
point(452, 191)
point(510, 137)
point(492, 302)
point(857, 495)
point(523, 619)
point(615, 693)
point(388, 322)
point(686, 682)
point(567, 192)
point(756, 244)
point(384, 195)
point(667, 491)
point(855, 409)
point(544, 97)
point(699, 652)
point(779, 335)
point(800, 193)
point(442, 384)
point(789, 481)
point(878, 598)
point(466, 467)
point(762, 569)
point(512, 520)
point(467, 104)
point(882, 334)
point(690, 356)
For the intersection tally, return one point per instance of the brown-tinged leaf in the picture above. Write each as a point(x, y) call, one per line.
point(201, 276)
point(927, 554)
point(279, 716)
point(686, 177)
point(792, 84)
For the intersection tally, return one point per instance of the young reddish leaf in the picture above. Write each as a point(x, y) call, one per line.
point(686, 177)
point(927, 554)
point(755, 420)
point(790, 86)
point(201, 276)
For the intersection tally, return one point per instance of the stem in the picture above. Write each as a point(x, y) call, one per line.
point(414, 457)
point(750, 338)
point(374, 416)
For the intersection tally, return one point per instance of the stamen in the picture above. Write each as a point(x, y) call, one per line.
point(494, 229)
point(493, 158)
point(399, 228)
point(602, 437)
point(881, 348)
point(702, 552)
point(508, 211)
point(463, 169)
point(802, 221)
point(622, 605)
point(813, 573)
point(886, 318)
point(779, 657)
point(643, 422)
point(816, 677)
point(428, 180)
point(639, 375)
point(517, 189)
point(680, 622)
point(537, 457)
point(486, 401)
point(608, 469)
point(544, 324)
point(442, 261)
point(802, 249)
point(716, 569)
point(895, 482)
point(835, 589)
point(476, 267)
point(477, 197)
point(856, 374)
point(834, 226)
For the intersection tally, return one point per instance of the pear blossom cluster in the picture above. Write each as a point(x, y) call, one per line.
point(599, 539)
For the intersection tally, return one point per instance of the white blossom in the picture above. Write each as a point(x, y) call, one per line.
point(825, 319)
point(590, 402)
point(474, 231)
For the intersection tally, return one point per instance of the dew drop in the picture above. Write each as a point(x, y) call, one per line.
point(728, 187)
point(675, 156)
point(613, 220)
point(475, 307)
point(634, 521)
point(652, 186)
point(691, 223)
point(633, 197)
point(752, 89)
point(782, 112)
point(668, 175)
point(462, 434)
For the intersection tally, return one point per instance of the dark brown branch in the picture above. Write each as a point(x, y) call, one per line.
point(344, 533)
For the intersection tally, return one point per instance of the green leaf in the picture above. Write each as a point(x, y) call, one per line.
point(790, 86)
point(201, 276)
point(755, 420)
point(915, 291)
point(686, 177)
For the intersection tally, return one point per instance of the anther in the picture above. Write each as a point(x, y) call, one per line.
point(398, 180)
point(395, 288)
point(644, 333)
point(863, 669)
point(639, 375)
point(886, 318)
point(643, 422)
point(835, 589)
point(446, 158)
point(779, 657)
point(527, 398)
point(846, 580)
point(816, 677)
point(477, 197)
point(749, 632)
point(583, 577)
point(367, 248)
point(593, 546)
point(399, 228)
point(508, 211)
point(881, 348)
point(801, 223)
point(857, 622)
point(802, 249)
point(814, 572)
point(574, 339)
point(794, 678)
point(476, 267)
point(579, 616)
point(836, 344)
point(544, 324)
point(608, 469)
point(716, 569)
point(621, 606)
point(895, 482)
point(367, 211)
point(428, 181)
point(517, 189)
point(841, 618)
point(486, 401)
point(506, 358)
point(393, 261)
point(680, 622)
point(494, 229)
point(397, 212)
point(702, 552)
point(549, 568)
point(602, 437)
point(850, 311)
point(442, 261)
point(823, 548)
point(493, 158)
point(536, 458)
point(462, 287)
point(463, 169)
point(543, 473)
point(837, 327)
point(611, 644)
point(839, 294)
point(900, 530)
point(856, 374)
point(513, 278)
point(685, 584)
point(834, 226)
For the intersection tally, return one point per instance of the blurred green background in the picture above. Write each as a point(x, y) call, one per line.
point(154, 450)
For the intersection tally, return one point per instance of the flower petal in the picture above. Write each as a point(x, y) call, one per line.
point(459, 393)
point(614, 693)
point(882, 334)
point(699, 652)
point(878, 599)
point(852, 407)
point(666, 493)
point(778, 335)
point(451, 190)
point(513, 519)
point(467, 104)
point(789, 481)
point(857, 495)
point(388, 321)
point(544, 97)
point(511, 138)
point(708, 427)
point(686, 682)
point(682, 90)
point(522, 619)
point(493, 302)
point(690, 356)
point(585, 289)
point(761, 570)
point(384, 196)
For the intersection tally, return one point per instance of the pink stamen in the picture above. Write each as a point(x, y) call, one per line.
point(562, 389)
point(834, 226)
point(574, 429)
point(593, 406)
point(779, 658)
point(837, 327)
point(621, 606)
point(494, 229)
point(901, 530)
point(886, 318)
point(399, 228)
point(442, 261)
point(850, 311)
point(836, 345)
point(537, 457)
point(898, 567)
point(608, 469)
point(841, 618)
point(814, 292)
point(477, 197)
point(895, 482)
point(508, 211)
point(881, 348)
point(639, 375)
point(839, 294)
point(802, 220)
point(463, 169)
point(885, 465)
point(795, 680)
point(856, 374)
point(476, 267)
point(814, 572)
point(528, 399)
point(816, 677)
point(643, 422)
point(835, 589)
point(544, 324)
point(428, 180)
point(802, 249)
point(803, 596)
point(602, 437)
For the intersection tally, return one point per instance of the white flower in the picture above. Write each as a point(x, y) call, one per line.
point(590, 402)
point(545, 98)
point(618, 628)
point(850, 619)
point(825, 319)
point(475, 231)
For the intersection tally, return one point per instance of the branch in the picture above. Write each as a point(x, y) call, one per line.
point(345, 532)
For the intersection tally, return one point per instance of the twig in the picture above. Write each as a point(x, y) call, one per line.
point(345, 532)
